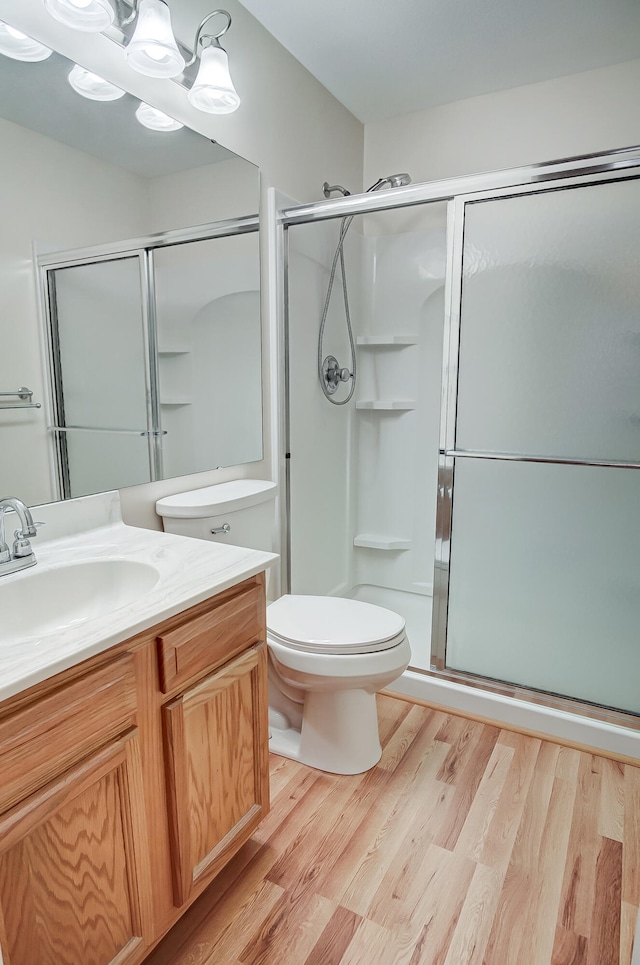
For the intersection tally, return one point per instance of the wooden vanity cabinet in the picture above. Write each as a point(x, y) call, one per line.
point(217, 768)
point(74, 881)
point(129, 781)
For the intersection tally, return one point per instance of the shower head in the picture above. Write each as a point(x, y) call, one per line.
point(391, 181)
point(328, 189)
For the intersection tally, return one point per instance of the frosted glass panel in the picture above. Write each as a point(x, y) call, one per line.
point(550, 332)
point(102, 356)
point(545, 578)
point(105, 460)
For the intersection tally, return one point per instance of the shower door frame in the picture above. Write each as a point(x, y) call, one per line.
point(564, 174)
point(448, 452)
point(143, 249)
point(59, 427)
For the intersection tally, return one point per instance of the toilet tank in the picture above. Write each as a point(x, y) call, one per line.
point(245, 506)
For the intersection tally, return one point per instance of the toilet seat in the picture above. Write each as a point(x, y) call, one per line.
point(333, 625)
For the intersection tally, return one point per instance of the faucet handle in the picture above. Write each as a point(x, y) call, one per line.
point(21, 543)
point(21, 547)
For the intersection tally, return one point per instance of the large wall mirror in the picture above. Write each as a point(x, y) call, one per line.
point(145, 349)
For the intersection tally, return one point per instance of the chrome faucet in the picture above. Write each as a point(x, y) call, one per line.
point(21, 555)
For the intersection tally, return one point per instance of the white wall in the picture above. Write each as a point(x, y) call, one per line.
point(228, 189)
point(580, 114)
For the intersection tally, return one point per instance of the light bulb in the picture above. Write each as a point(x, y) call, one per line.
point(90, 85)
point(213, 89)
point(18, 46)
point(156, 120)
point(90, 16)
point(153, 50)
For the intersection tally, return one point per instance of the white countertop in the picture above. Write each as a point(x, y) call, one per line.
point(189, 571)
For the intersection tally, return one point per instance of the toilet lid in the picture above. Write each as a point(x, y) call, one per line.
point(329, 624)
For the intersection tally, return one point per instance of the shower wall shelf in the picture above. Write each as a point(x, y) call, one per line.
point(174, 350)
point(176, 402)
point(374, 541)
point(386, 340)
point(389, 405)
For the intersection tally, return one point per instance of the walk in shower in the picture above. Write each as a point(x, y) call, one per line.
point(484, 480)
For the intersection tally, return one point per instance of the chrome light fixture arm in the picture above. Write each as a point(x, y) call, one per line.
point(209, 38)
point(123, 28)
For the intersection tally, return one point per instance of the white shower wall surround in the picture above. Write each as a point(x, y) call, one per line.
point(371, 537)
point(322, 456)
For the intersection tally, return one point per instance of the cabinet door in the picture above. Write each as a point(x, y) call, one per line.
point(218, 779)
point(74, 884)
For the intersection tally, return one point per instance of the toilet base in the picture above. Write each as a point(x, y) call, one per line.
point(339, 732)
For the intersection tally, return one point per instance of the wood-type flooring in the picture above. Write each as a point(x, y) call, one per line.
point(466, 845)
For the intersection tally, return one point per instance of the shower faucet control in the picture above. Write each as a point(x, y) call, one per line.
point(333, 375)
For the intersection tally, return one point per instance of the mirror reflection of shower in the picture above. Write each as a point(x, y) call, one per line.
point(330, 372)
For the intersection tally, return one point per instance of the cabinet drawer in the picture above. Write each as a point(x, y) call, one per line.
point(42, 740)
point(236, 620)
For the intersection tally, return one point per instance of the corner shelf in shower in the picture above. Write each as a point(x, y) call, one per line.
point(375, 541)
point(389, 405)
point(174, 350)
point(176, 401)
point(386, 340)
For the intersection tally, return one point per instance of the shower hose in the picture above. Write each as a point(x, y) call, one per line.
point(338, 257)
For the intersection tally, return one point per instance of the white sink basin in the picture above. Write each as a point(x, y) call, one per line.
point(41, 601)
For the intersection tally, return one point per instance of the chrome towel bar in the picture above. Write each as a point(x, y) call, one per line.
point(24, 394)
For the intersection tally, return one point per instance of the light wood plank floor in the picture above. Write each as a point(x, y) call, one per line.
point(467, 844)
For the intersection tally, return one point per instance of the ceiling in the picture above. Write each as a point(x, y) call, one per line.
point(385, 59)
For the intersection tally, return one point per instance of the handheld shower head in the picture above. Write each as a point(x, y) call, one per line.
point(392, 181)
point(397, 180)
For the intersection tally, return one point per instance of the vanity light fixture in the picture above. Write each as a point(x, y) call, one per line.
point(212, 91)
point(18, 46)
point(90, 16)
point(151, 48)
point(90, 85)
point(156, 120)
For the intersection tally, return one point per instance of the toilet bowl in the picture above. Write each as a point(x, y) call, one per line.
point(328, 656)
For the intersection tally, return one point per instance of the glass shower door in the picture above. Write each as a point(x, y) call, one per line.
point(102, 373)
point(543, 444)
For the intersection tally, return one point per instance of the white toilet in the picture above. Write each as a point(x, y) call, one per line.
point(328, 656)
